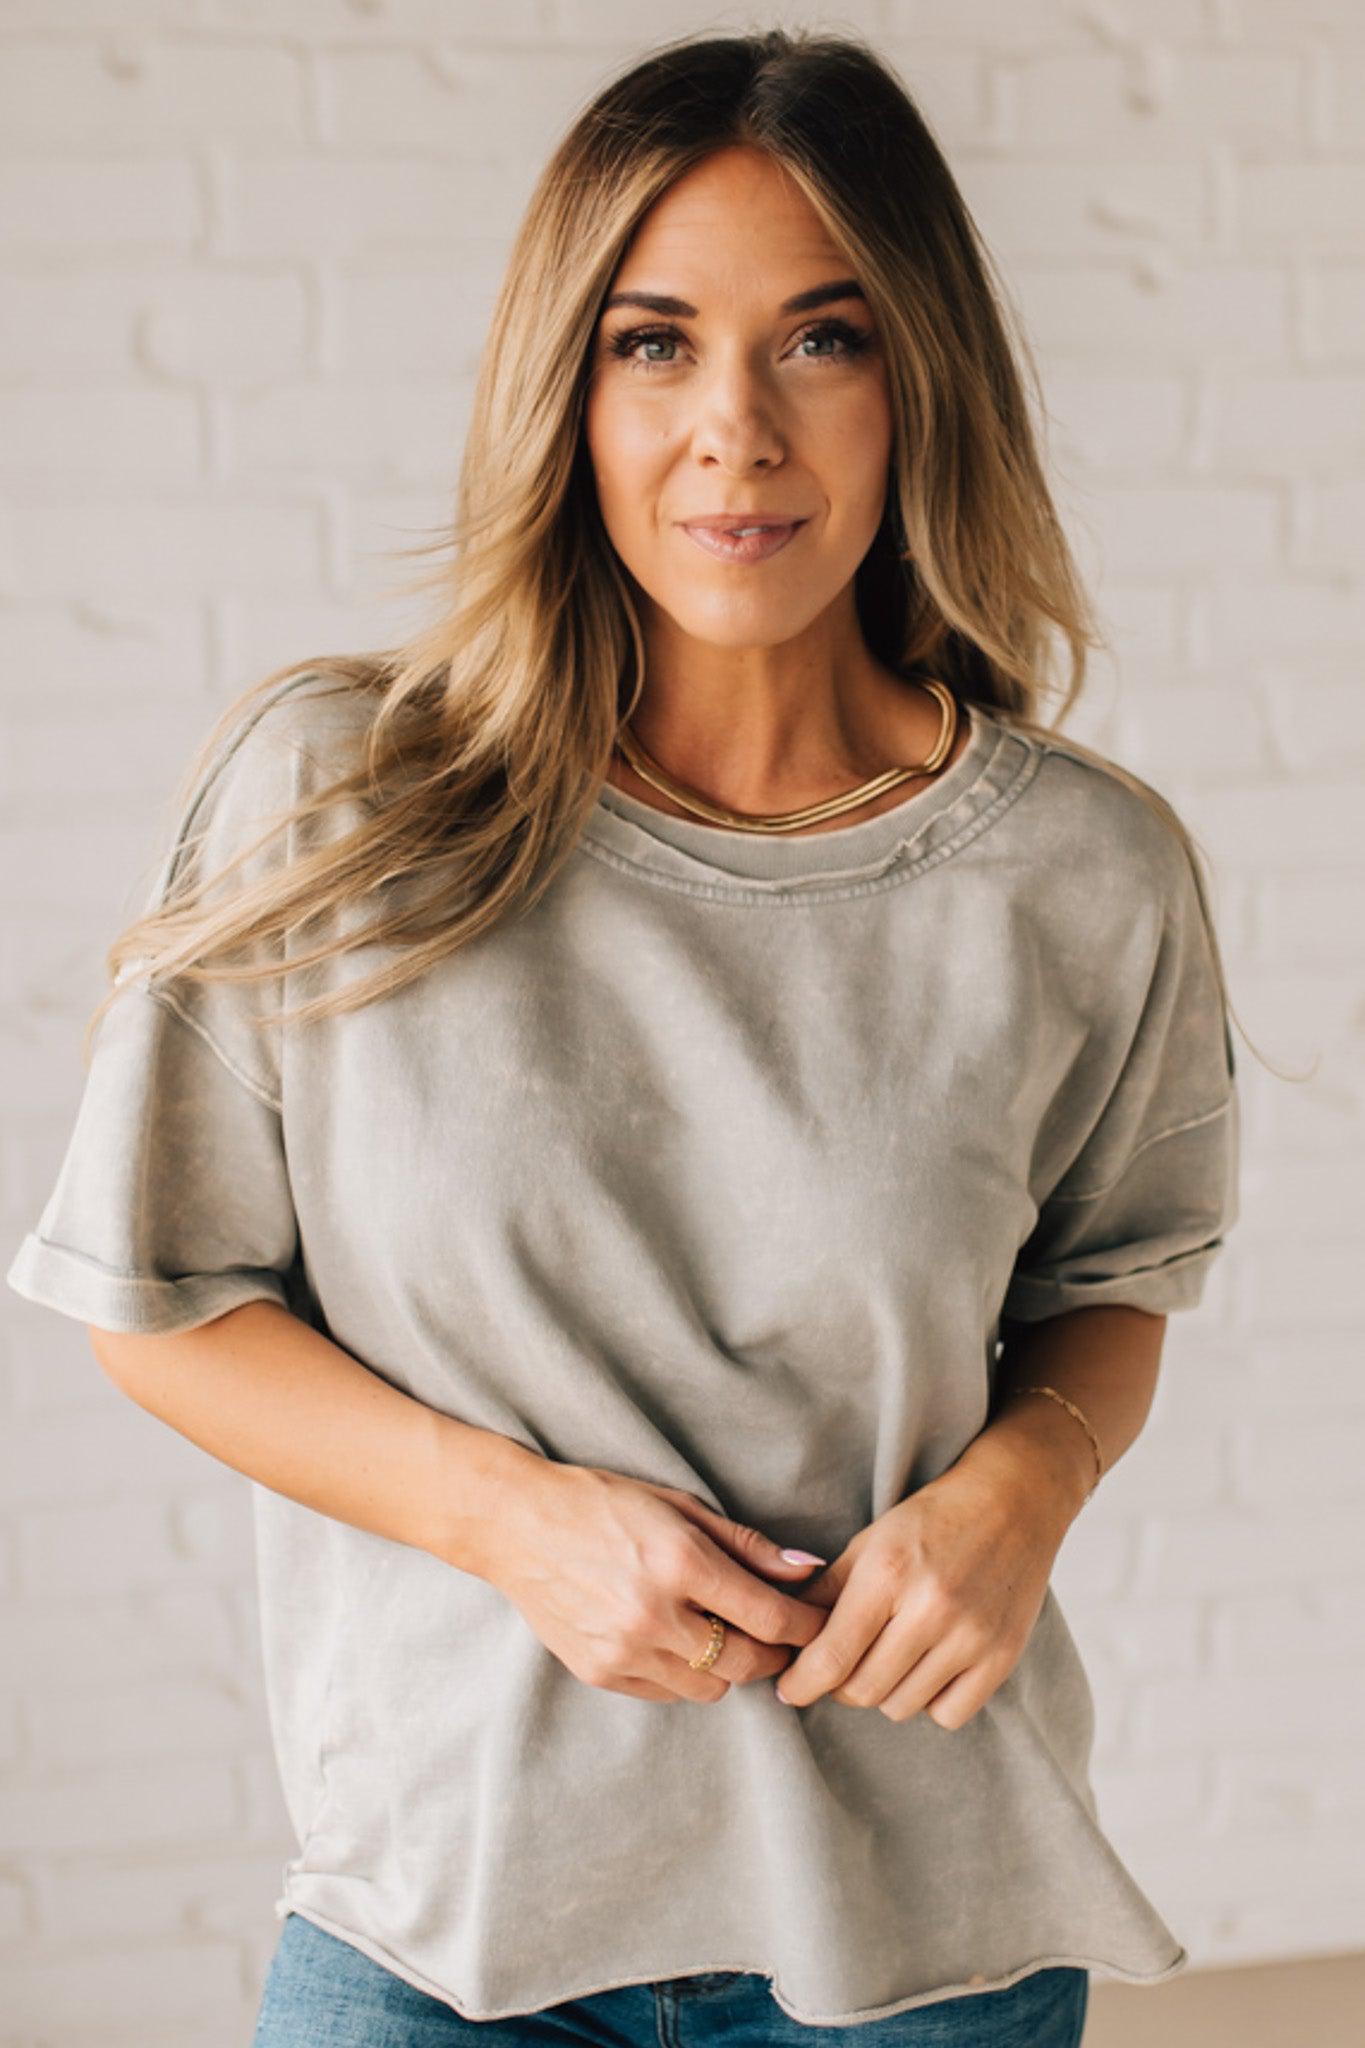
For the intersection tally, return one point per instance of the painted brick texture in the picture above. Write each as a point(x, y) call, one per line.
point(248, 251)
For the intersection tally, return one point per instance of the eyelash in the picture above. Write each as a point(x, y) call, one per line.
point(853, 339)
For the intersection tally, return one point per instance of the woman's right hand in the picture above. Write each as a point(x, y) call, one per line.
point(613, 1573)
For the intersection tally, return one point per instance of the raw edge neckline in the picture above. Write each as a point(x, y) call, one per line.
point(696, 857)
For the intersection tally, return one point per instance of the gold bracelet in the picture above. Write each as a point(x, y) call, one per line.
point(1074, 1410)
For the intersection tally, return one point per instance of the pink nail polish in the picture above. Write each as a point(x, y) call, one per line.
point(803, 1557)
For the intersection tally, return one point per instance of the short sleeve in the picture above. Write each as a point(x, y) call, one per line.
point(1150, 1190)
point(172, 1203)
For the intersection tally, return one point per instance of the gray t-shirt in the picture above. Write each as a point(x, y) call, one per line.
point(718, 1168)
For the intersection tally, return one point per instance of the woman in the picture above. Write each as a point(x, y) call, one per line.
point(790, 1088)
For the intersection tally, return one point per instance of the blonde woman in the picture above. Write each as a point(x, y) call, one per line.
point(661, 1123)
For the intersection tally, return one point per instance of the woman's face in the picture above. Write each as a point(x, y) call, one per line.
point(733, 401)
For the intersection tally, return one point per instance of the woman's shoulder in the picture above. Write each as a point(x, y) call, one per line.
point(318, 712)
point(271, 747)
point(275, 742)
point(1099, 824)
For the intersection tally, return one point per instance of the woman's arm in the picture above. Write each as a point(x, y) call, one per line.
point(1106, 1360)
point(614, 1574)
point(272, 1397)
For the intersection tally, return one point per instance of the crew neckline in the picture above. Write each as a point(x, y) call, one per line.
point(722, 859)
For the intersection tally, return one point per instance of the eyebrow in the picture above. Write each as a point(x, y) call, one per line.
point(804, 302)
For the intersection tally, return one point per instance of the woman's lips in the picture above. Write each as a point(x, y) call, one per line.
point(751, 547)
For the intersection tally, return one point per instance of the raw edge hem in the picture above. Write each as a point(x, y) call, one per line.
point(418, 1982)
point(1029, 1969)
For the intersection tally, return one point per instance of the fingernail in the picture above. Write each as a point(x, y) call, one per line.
point(782, 1696)
point(803, 1557)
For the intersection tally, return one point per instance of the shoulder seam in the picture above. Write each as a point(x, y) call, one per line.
point(235, 740)
point(224, 1058)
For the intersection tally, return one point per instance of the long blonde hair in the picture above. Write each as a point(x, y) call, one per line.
point(490, 730)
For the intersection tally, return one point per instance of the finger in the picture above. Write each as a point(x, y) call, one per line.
point(674, 1666)
point(741, 1659)
point(960, 1701)
point(642, 1689)
point(761, 1610)
point(703, 1688)
point(949, 1685)
point(898, 1663)
point(752, 1547)
point(851, 1626)
point(971, 1682)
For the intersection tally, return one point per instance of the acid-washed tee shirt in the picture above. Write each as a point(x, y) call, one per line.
point(718, 1167)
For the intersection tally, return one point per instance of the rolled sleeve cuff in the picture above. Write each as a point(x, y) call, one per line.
point(1163, 1288)
point(57, 1277)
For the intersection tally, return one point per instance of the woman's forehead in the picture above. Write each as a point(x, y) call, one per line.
point(740, 201)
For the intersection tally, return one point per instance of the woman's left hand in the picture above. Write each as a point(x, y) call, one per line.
point(932, 1604)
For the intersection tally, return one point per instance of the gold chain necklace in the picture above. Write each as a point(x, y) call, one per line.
point(649, 770)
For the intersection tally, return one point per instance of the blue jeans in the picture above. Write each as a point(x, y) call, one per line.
point(322, 1993)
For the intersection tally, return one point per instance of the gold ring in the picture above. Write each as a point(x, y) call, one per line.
point(713, 1648)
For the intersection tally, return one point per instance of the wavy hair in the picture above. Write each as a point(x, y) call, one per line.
point(491, 729)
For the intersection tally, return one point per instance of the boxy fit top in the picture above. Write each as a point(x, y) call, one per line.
point(718, 1167)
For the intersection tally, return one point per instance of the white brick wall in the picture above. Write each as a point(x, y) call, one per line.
point(248, 250)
